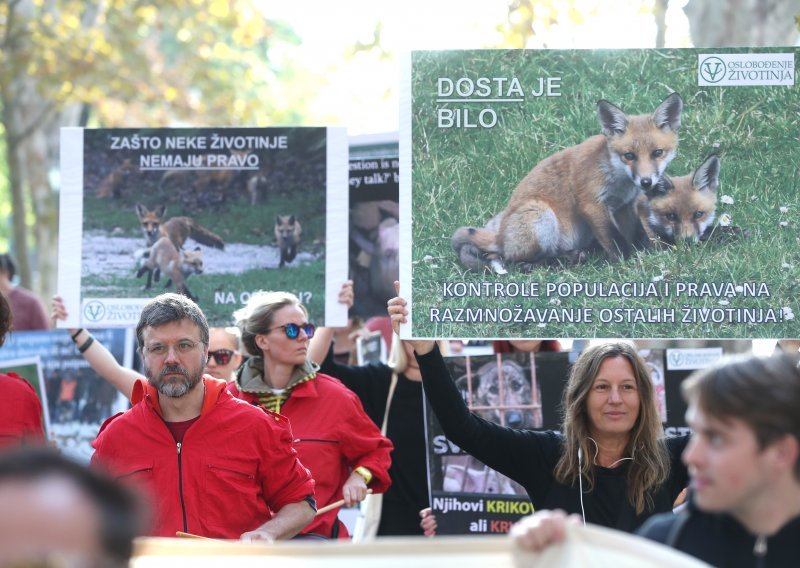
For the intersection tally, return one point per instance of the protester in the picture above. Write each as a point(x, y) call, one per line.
point(744, 461)
point(28, 311)
point(224, 353)
point(611, 464)
point(54, 512)
point(20, 408)
point(335, 439)
point(405, 423)
point(213, 465)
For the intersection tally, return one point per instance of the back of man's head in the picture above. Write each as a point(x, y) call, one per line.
point(52, 506)
point(168, 308)
point(762, 392)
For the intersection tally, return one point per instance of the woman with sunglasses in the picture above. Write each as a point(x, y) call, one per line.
point(224, 353)
point(333, 436)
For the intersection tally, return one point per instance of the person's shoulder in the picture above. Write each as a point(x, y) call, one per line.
point(11, 381)
point(659, 527)
point(328, 386)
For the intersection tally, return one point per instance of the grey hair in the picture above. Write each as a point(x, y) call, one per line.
point(168, 308)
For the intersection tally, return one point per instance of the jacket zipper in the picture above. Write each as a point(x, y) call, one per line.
point(760, 550)
point(180, 488)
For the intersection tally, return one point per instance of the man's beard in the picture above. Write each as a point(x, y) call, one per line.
point(174, 388)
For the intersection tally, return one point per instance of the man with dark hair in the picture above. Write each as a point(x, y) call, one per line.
point(51, 507)
point(29, 313)
point(213, 465)
point(744, 459)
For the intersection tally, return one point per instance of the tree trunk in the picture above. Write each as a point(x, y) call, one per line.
point(15, 186)
point(742, 23)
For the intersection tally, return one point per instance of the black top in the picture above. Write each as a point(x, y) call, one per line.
point(529, 457)
point(405, 428)
point(722, 541)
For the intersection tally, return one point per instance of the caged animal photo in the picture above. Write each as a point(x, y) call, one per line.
point(501, 389)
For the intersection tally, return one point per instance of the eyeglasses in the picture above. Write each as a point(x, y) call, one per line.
point(292, 330)
point(221, 356)
point(181, 348)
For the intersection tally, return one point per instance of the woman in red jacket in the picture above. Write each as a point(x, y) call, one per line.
point(334, 437)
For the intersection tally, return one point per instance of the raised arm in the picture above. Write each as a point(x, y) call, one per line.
point(321, 342)
point(96, 354)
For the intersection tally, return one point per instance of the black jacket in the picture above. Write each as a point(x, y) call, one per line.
point(722, 541)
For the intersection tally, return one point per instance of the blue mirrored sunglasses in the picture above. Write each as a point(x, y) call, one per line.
point(292, 330)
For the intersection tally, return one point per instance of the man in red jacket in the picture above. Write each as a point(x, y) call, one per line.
point(212, 465)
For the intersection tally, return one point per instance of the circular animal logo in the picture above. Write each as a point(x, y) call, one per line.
point(712, 69)
point(94, 310)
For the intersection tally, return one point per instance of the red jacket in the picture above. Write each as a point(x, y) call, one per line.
point(236, 464)
point(332, 436)
point(20, 412)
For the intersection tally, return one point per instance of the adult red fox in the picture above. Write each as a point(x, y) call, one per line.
point(110, 185)
point(580, 195)
point(178, 229)
point(176, 265)
point(682, 208)
point(287, 234)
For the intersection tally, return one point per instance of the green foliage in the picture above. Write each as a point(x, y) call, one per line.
point(198, 61)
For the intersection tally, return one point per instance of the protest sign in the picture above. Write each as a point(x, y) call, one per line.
point(213, 213)
point(534, 202)
point(374, 222)
point(518, 390)
point(77, 400)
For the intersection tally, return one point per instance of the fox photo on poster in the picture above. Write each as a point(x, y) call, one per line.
point(600, 193)
point(215, 214)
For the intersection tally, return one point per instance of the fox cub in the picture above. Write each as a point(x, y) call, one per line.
point(178, 229)
point(682, 208)
point(580, 195)
point(176, 264)
point(287, 234)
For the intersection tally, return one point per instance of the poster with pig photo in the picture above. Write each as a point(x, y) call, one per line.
point(374, 222)
point(212, 213)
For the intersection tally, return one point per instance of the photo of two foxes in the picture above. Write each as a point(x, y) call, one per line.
point(611, 190)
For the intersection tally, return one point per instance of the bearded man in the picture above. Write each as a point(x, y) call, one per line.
point(211, 465)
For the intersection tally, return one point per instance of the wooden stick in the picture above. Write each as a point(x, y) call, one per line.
point(181, 534)
point(335, 504)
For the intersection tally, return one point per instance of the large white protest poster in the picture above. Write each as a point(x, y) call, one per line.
point(213, 213)
point(600, 193)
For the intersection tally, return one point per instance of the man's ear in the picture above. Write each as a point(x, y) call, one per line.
point(787, 451)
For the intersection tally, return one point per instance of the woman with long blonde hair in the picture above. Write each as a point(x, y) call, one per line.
point(611, 463)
